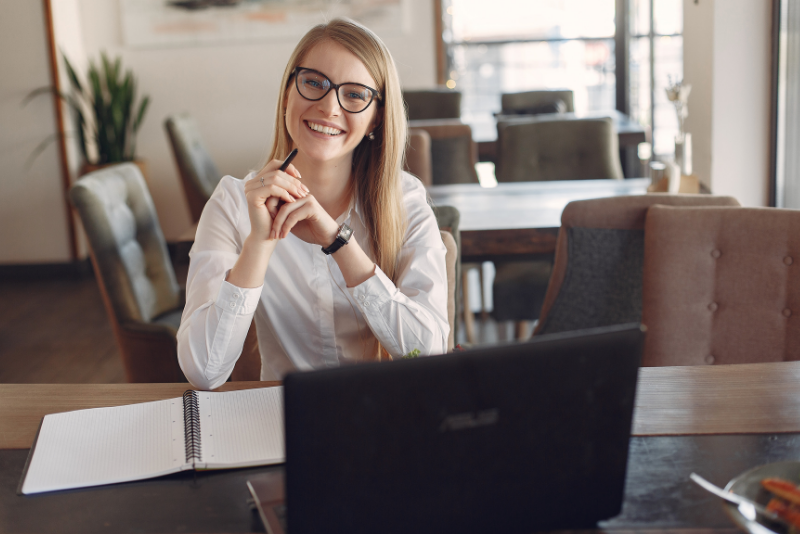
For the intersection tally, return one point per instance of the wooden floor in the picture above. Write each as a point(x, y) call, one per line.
point(57, 332)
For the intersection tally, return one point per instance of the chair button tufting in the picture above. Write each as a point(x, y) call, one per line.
point(787, 312)
point(709, 359)
point(715, 253)
point(787, 260)
point(713, 307)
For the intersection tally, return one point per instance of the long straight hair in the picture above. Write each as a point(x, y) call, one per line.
point(377, 164)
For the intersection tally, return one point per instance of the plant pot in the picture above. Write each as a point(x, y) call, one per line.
point(86, 168)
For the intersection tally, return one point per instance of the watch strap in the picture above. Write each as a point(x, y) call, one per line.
point(342, 238)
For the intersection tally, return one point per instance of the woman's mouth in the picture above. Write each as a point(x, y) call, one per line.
point(327, 130)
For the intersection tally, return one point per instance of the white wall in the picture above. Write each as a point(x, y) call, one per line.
point(727, 50)
point(230, 89)
point(33, 218)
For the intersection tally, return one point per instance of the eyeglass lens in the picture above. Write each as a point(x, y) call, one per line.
point(314, 86)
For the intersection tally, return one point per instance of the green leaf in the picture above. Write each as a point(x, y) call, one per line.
point(413, 354)
point(140, 115)
point(73, 78)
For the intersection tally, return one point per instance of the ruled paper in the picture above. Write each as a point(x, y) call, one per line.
point(242, 428)
point(106, 445)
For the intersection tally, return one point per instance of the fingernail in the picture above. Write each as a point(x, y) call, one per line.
point(305, 188)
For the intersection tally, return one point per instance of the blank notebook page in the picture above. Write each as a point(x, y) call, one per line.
point(107, 445)
point(242, 428)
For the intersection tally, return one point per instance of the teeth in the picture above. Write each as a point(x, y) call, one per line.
point(323, 129)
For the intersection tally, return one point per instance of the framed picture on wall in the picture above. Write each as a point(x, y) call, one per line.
point(156, 23)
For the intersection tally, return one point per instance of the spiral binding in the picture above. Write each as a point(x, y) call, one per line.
point(191, 426)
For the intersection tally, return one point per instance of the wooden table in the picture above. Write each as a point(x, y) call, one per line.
point(718, 420)
point(521, 219)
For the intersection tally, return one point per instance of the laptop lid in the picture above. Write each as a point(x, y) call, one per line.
point(514, 438)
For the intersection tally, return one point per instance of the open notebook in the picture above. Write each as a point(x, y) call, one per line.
point(202, 430)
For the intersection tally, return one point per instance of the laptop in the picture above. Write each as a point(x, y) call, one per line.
point(513, 438)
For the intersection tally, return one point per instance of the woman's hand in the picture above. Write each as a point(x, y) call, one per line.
point(306, 219)
point(264, 193)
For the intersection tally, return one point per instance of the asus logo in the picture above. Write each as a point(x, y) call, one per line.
point(463, 421)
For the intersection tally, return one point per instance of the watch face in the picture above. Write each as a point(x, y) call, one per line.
point(345, 232)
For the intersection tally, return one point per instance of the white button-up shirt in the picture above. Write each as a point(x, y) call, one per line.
point(306, 317)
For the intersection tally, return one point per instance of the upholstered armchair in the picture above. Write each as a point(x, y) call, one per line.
point(133, 270)
point(199, 175)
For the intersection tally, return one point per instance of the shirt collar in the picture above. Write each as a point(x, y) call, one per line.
point(354, 207)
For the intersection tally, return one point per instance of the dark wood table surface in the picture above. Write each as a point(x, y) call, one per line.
point(715, 420)
point(514, 220)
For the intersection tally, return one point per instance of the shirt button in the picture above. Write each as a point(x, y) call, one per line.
point(361, 297)
point(236, 295)
point(709, 359)
point(366, 304)
point(715, 253)
point(787, 260)
point(233, 305)
point(787, 312)
point(713, 307)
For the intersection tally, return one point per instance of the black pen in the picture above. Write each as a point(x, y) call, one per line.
point(288, 160)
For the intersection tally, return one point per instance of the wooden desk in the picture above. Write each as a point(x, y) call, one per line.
point(680, 413)
point(714, 399)
point(514, 220)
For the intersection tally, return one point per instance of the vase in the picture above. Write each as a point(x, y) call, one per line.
point(683, 153)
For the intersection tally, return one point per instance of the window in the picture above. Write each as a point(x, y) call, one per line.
point(504, 46)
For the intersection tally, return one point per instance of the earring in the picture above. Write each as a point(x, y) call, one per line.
point(371, 136)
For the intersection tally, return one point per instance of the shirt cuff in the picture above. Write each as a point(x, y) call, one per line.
point(238, 300)
point(374, 292)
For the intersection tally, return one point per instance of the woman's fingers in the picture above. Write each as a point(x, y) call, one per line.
point(288, 216)
point(281, 179)
point(273, 203)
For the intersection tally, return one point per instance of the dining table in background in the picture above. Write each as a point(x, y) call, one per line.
point(520, 220)
point(717, 420)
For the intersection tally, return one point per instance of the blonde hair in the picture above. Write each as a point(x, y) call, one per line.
point(377, 164)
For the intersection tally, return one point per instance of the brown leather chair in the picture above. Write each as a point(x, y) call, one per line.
point(453, 151)
point(721, 285)
point(418, 156)
point(133, 269)
point(425, 104)
point(597, 274)
point(534, 149)
point(535, 102)
point(198, 173)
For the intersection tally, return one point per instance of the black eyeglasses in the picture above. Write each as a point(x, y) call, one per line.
point(352, 97)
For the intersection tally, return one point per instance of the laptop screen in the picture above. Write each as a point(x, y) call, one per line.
point(513, 438)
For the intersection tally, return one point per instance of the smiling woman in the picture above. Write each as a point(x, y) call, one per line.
point(284, 246)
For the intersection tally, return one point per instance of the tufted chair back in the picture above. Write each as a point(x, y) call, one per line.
point(597, 274)
point(199, 175)
point(541, 101)
point(133, 268)
point(453, 151)
point(532, 150)
point(425, 104)
point(721, 285)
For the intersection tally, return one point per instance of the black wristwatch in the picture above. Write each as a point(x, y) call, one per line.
point(342, 238)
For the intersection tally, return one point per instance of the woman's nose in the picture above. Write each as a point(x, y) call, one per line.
point(330, 104)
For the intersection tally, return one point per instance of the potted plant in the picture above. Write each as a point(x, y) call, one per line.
point(106, 115)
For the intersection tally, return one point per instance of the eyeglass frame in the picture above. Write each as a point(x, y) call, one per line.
point(375, 94)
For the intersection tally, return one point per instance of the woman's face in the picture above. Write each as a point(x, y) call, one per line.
point(307, 120)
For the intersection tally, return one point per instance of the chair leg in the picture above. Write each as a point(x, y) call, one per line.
point(469, 318)
point(484, 313)
point(521, 328)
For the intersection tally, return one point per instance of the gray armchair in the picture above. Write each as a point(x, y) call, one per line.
point(133, 270)
point(199, 175)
